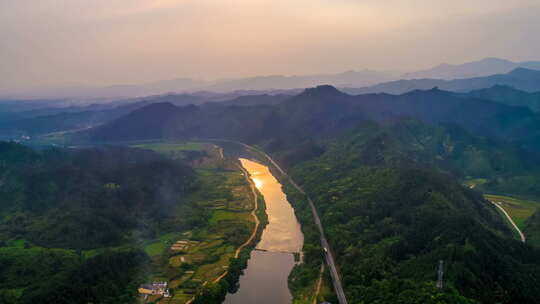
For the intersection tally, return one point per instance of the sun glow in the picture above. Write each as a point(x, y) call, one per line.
point(258, 183)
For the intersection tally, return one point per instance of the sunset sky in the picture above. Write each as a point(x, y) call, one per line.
point(68, 42)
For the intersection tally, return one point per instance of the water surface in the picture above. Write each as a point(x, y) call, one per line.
point(265, 279)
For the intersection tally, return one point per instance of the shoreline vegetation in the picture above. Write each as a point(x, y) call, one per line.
point(200, 226)
point(215, 288)
point(307, 283)
point(228, 281)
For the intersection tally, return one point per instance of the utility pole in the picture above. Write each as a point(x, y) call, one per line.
point(440, 275)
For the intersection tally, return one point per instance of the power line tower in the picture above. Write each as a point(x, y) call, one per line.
point(440, 274)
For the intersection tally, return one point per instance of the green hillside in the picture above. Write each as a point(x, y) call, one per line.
point(391, 216)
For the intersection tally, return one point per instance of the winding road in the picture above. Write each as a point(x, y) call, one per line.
point(324, 242)
point(521, 235)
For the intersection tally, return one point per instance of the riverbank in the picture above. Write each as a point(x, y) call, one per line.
point(210, 257)
point(304, 279)
point(253, 214)
point(266, 277)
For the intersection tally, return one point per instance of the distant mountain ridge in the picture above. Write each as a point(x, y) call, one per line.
point(484, 67)
point(318, 110)
point(16, 121)
point(348, 78)
point(258, 83)
point(270, 83)
point(326, 111)
point(522, 79)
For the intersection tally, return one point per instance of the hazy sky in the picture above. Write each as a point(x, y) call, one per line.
point(59, 42)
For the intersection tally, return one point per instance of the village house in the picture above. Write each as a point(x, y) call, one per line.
point(155, 288)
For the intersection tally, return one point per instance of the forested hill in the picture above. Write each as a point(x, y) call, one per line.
point(412, 143)
point(51, 197)
point(391, 217)
point(323, 111)
point(72, 221)
point(506, 169)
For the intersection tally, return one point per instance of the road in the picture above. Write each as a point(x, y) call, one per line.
point(328, 254)
point(521, 235)
point(338, 287)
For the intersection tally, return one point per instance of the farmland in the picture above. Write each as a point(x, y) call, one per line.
point(190, 260)
point(518, 209)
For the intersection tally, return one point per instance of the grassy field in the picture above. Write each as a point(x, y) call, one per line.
point(473, 183)
point(16, 243)
point(172, 147)
point(518, 209)
point(175, 150)
point(158, 246)
point(223, 215)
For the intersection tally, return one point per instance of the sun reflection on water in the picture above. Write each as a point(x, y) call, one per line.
point(258, 183)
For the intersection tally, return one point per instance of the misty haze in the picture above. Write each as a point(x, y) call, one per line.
point(239, 152)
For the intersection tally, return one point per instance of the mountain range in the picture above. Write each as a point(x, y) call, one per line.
point(226, 112)
point(399, 82)
point(484, 67)
point(323, 111)
point(386, 173)
point(258, 83)
point(519, 78)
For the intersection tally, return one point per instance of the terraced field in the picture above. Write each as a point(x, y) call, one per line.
point(189, 260)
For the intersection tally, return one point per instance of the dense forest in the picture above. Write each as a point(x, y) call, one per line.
point(90, 198)
point(393, 209)
point(71, 221)
point(505, 168)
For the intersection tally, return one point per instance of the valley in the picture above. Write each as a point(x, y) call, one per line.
point(199, 259)
point(273, 249)
point(278, 250)
point(317, 197)
point(263, 152)
point(204, 262)
point(199, 245)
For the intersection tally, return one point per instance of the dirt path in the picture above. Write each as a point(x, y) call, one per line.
point(319, 283)
point(253, 214)
point(253, 233)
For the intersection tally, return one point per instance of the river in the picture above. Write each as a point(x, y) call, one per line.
point(265, 279)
